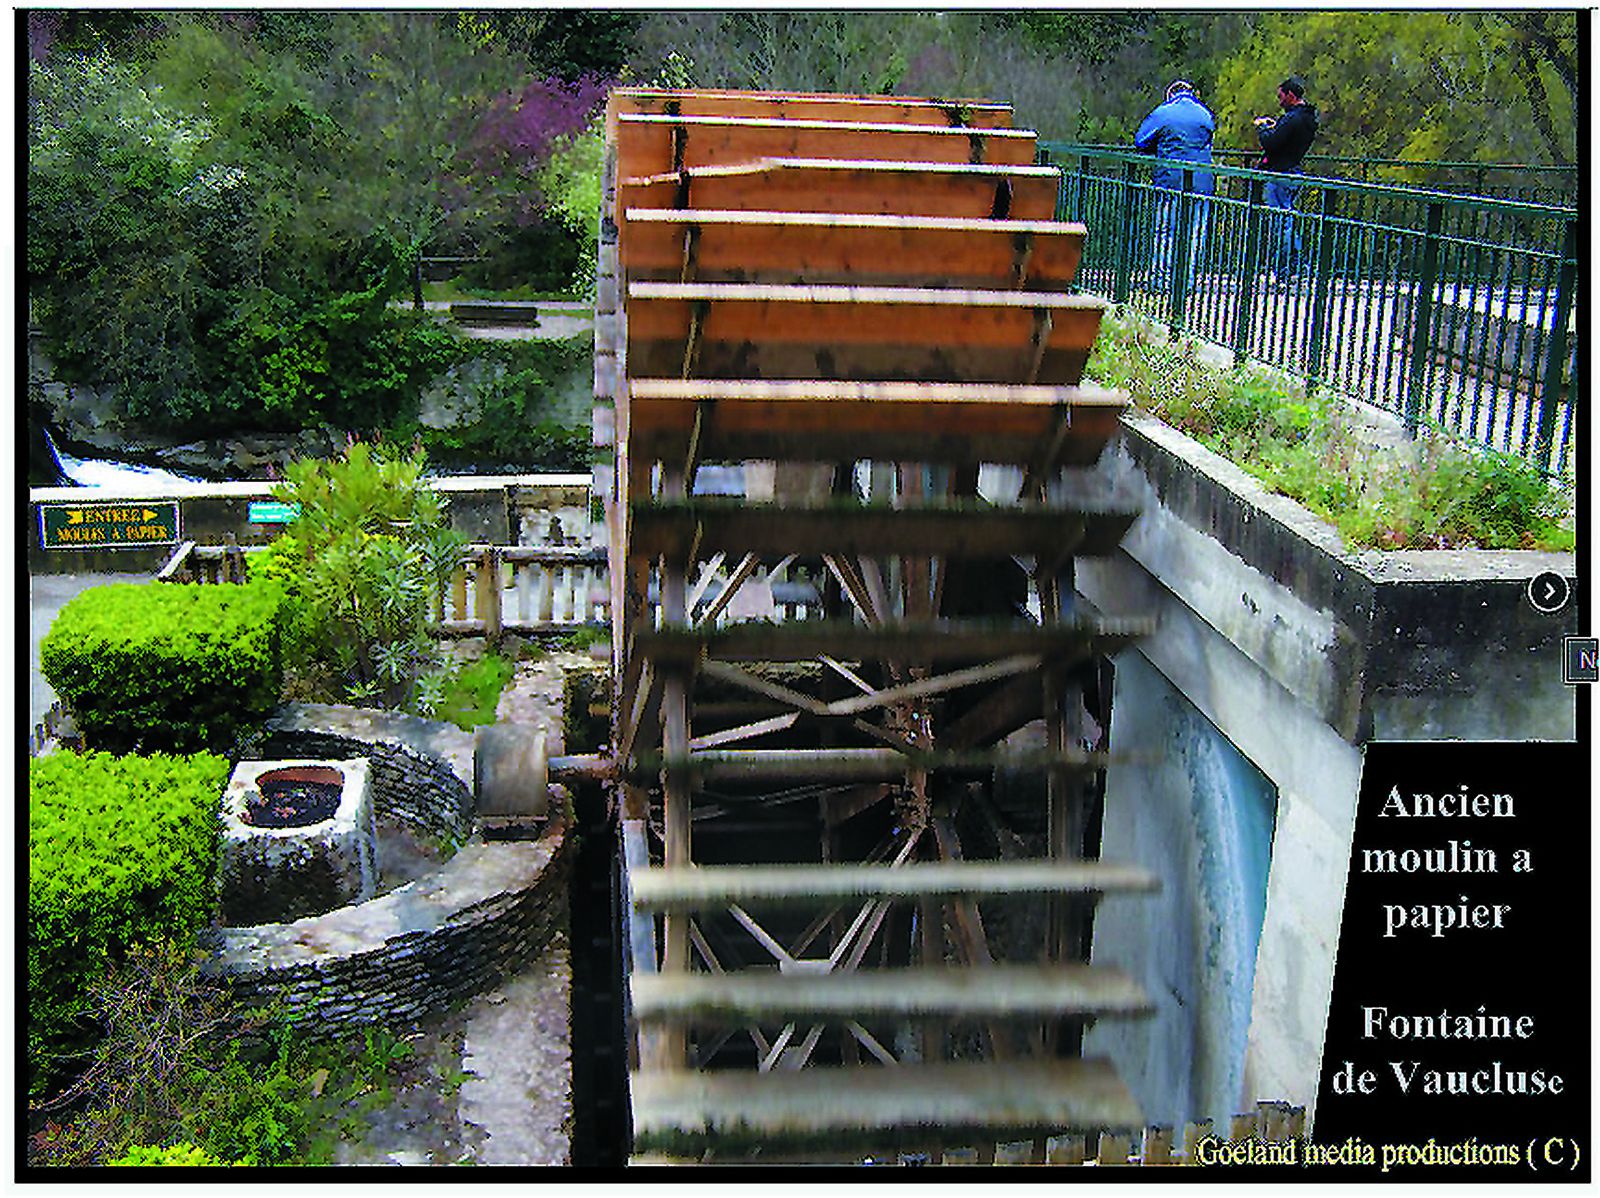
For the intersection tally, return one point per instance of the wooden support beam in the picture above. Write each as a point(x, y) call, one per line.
point(650, 144)
point(819, 419)
point(745, 568)
point(708, 573)
point(697, 938)
point(800, 332)
point(847, 674)
point(991, 993)
point(856, 249)
point(955, 530)
point(775, 105)
point(854, 586)
point(760, 686)
point(732, 1111)
point(790, 184)
point(945, 640)
point(709, 886)
point(925, 687)
point(749, 731)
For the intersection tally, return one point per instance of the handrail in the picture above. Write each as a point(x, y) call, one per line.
point(1356, 159)
point(1387, 190)
point(1451, 310)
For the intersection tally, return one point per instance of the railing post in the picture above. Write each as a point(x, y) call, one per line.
point(1555, 363)
point(1316, 341)
point(1080, 198)
point(1422, 318)
point(489, 597)
point(1121, 287)
point(1245, 312)
point(1179, 293)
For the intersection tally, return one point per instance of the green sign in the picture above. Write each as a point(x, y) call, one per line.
point(125, 525)
point(273, 513)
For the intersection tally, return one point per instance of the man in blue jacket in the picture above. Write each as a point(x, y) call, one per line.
point(1179, 130)
point(1284, 142)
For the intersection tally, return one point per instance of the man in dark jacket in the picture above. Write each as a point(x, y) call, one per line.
point(1284, 142)
point(1178, 130)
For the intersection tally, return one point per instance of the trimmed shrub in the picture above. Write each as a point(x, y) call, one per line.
point(162, 667)
point(122, 851)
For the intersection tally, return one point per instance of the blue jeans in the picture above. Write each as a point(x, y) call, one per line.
point(1280, 200)
point(1168, 213)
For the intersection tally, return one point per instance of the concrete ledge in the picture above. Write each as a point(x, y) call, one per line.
point(1411, 644)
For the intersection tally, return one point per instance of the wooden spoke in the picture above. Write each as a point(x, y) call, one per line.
point(743, 732)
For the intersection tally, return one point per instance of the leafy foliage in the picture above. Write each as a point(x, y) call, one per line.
point(1428, 85)
point(1436, 495)
point(122, 852)
point(196, 242)
point(571, 182)
point(531, 403)
point(172, 1154)
point(370, 555)
point(165, 666)
point(180, 1065)
point(471, 695)
point(218, 227)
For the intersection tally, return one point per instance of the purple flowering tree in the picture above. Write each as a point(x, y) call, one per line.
point(514, 136)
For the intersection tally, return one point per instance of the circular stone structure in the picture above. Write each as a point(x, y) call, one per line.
point(284, 855)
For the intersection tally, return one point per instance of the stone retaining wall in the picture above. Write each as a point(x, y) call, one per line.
point(447, 936)
point(458, 932)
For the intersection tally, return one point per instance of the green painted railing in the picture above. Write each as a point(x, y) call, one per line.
point(1524, 182)
point(1454, 310)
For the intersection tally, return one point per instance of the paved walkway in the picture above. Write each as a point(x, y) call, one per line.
point(491, 1083)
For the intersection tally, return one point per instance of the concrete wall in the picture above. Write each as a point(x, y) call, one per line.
point(1292, 653)
point(456, 933)
point(1193, 803)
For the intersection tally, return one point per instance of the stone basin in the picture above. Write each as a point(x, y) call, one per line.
point(318, 862)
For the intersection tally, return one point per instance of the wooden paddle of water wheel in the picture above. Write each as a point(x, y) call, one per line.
point(860, 846)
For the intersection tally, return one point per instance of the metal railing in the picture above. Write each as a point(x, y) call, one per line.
point(1451, 310)
point(1528, 183)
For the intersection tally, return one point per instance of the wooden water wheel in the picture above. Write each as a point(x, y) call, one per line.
point(839, 369)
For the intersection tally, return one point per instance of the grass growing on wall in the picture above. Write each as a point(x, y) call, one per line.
point(472, 694)
point(1433, 493)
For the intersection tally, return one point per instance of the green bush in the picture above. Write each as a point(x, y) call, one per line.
point(172, 1154)
point(122, 851)
point(163, 667)
point(179, 1063)
point(532, 409)
point(370, 555)
point(471, 695)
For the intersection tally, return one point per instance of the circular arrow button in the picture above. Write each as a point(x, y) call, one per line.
point(1548, 592)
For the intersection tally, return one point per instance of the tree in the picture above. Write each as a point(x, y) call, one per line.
point(217, 226)
point(568, 44)
point(1545, 44)
point(1418, 85)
